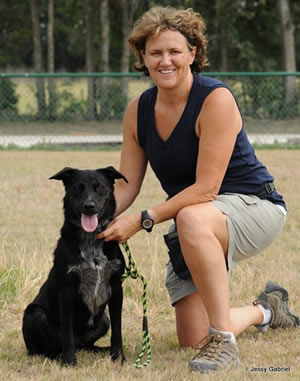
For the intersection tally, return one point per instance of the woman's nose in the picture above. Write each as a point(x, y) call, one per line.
point(165, 59)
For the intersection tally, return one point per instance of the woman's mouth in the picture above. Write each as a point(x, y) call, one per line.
point(167, 71)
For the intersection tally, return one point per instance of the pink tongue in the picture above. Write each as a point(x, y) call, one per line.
point(89, 223)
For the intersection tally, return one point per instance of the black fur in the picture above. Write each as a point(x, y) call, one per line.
point(69, 310)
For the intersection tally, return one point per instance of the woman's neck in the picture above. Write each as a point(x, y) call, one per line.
point(177, 94)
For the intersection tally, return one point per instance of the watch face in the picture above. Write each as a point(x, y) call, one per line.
point(147, 223)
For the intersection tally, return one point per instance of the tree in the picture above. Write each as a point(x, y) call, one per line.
point(89, 16)
point(222, 11)
point(243, 35)
point(104, 49)
point(128, 8)
point(288, 50)
point(50, 40)
point(38, 59)
point(15, 34)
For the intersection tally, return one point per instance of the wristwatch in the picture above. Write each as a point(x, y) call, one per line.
point(146, 221)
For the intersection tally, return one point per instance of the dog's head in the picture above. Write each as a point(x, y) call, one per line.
point(89, 200)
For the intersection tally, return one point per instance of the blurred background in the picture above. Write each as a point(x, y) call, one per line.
point(66, 68)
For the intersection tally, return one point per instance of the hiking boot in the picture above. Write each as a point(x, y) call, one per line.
point(275, 298)
point(218, 353)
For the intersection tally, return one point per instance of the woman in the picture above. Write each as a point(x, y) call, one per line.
point(226, 208)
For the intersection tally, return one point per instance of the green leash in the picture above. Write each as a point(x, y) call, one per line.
point(131, 271)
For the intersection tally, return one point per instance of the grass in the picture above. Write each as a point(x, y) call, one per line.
point(31, 216)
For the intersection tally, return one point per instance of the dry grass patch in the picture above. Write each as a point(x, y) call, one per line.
point(31, 216)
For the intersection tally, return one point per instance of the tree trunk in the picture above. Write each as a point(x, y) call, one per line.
point(128, 9)
point(38, 60)
point(51, 69)
point(125, 31)
point(222, 33)
point(104, 55)
point(288, 50)
point(89, 12)
point(104, 20)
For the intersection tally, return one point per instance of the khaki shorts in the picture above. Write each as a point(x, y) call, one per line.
point(252, 223)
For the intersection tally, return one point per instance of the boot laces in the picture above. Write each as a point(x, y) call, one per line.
point(211, 348)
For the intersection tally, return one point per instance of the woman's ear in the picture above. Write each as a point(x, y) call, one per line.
point(193, 54)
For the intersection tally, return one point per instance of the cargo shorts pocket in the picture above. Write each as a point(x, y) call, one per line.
point(249, 199)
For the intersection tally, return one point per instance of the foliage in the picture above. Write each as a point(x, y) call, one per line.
point(112, 103)
point(243, 36)
point(15, 34)
point(69, 107)
point(8, 98)
point(252, 32)
point(259, 97)
point(265, 98)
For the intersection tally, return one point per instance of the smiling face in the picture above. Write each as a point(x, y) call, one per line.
point(168, 58)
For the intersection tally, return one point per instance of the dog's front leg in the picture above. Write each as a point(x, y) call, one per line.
point(67, 319)
point(115, 312)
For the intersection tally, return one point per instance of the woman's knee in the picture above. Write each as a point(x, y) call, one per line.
point(202, 223)
point(200, 218)
point(190, 218)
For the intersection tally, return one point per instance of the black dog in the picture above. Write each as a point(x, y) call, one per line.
point(69, 311)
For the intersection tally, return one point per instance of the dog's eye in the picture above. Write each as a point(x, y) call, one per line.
point(99, 188)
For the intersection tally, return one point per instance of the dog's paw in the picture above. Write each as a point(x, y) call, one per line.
point(118, 355)
point(69, 360)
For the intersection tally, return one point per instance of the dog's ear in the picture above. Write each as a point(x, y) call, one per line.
point(112, 173)
point(65, 174)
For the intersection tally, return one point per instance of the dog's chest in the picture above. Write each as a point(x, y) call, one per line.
point(94, 271)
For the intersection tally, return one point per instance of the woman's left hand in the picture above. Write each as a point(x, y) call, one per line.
point(121, 228)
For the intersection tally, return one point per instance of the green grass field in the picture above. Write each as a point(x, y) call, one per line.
point(31, 216)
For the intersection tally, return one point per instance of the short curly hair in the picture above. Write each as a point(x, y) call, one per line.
point(186, 21)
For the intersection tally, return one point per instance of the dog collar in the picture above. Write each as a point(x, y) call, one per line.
point(102, 225)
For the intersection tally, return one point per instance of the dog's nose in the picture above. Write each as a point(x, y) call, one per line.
point(89, 206)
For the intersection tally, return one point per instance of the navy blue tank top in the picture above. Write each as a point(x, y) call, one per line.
point(174, 160)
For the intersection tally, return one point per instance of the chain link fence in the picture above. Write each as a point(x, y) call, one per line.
point(69, 104)
point(66, 97)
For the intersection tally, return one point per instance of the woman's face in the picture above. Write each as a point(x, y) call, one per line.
point(168, 58)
